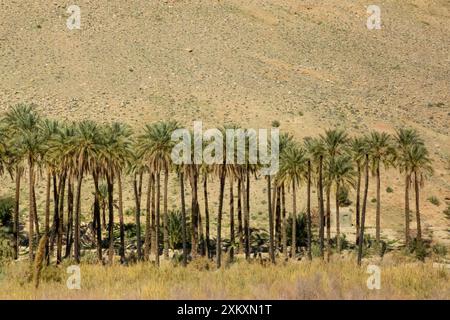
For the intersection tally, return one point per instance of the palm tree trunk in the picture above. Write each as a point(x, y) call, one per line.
point(200, 230)
point(77, 219)
point(269, 203)
point(59, 233)
point(338, 224)
point(194, 213)
point(358, 196)
point(110, 186)
point(239, 216)
point(147, 236)
point(16, 225)
point(121, 223)
point(55, 223)
point(98, 228)
point(219, 219)
point(321, 208)
point(419, 227)
point(183, 220)
point(378, 212)
point(245, 197)
point(308, 211)
point(284, 225)
point(328, 221)
point(205, 193)
point(157, 217)
point(294, 222)
point(31, 214)
point(69, 228)
point(363, 211)
point(232, 237)
point(278, 219)
point(137, 198)
point(165, 217)
point(47, 216)
point(407, 182)
point(35, 218)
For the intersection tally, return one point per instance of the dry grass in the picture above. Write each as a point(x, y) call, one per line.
point(340, 279)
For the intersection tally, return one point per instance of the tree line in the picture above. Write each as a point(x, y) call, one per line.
point(66, 154)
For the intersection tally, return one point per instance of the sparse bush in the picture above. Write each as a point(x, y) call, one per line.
point(434, 200)
point(447, 212)
point(440, 250)
point(276, 123)
point(344, 200)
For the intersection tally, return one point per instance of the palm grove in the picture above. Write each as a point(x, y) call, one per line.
point(66, 155)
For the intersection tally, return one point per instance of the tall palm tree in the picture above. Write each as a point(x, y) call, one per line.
point(155, 146)
point(421, 168)
point(405, 139)
point(49, 130)
point(137, 169)
point(364, 204)
point(84, 147)
point(291, 172)
point(342, 174)
point(316, 150)
point(381, 150)
point(115, 154)
point(335, 142)
point(24, 121)
point(357, 145)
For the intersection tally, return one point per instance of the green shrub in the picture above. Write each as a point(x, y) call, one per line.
point(343, 197)
point(440, 250)
point(275, 123)
point(447, 212)
point(389, 190)
point(434, 200)
point(6, 212)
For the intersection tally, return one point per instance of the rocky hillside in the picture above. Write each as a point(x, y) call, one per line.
point(309, 64)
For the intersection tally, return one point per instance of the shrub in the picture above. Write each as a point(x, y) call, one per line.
point(447, 212)
point(434, 200)
point(275, 123)
point(344, 200)
point(440, 250)
point(6, 212)
point(389, 190)
point(175, 227)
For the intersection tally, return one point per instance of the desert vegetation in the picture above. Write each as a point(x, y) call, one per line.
point(66, 155)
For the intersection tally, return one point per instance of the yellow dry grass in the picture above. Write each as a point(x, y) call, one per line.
point(339, 279)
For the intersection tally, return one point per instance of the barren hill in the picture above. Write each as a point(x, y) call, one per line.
point(309, 64)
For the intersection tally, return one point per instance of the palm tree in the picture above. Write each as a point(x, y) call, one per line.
point(342, 174)
point(405, 139)
point(49, 130)
point(357, 154)
point(137, 168)
point(335, 144)
point(84, 147)
point(292, 170)
point(24, 123)
point(364, 204)
point(316, 150)
point(115, 154)
point(284, 141)
point(381, 153)
point(420, 163)
point(155, 146)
